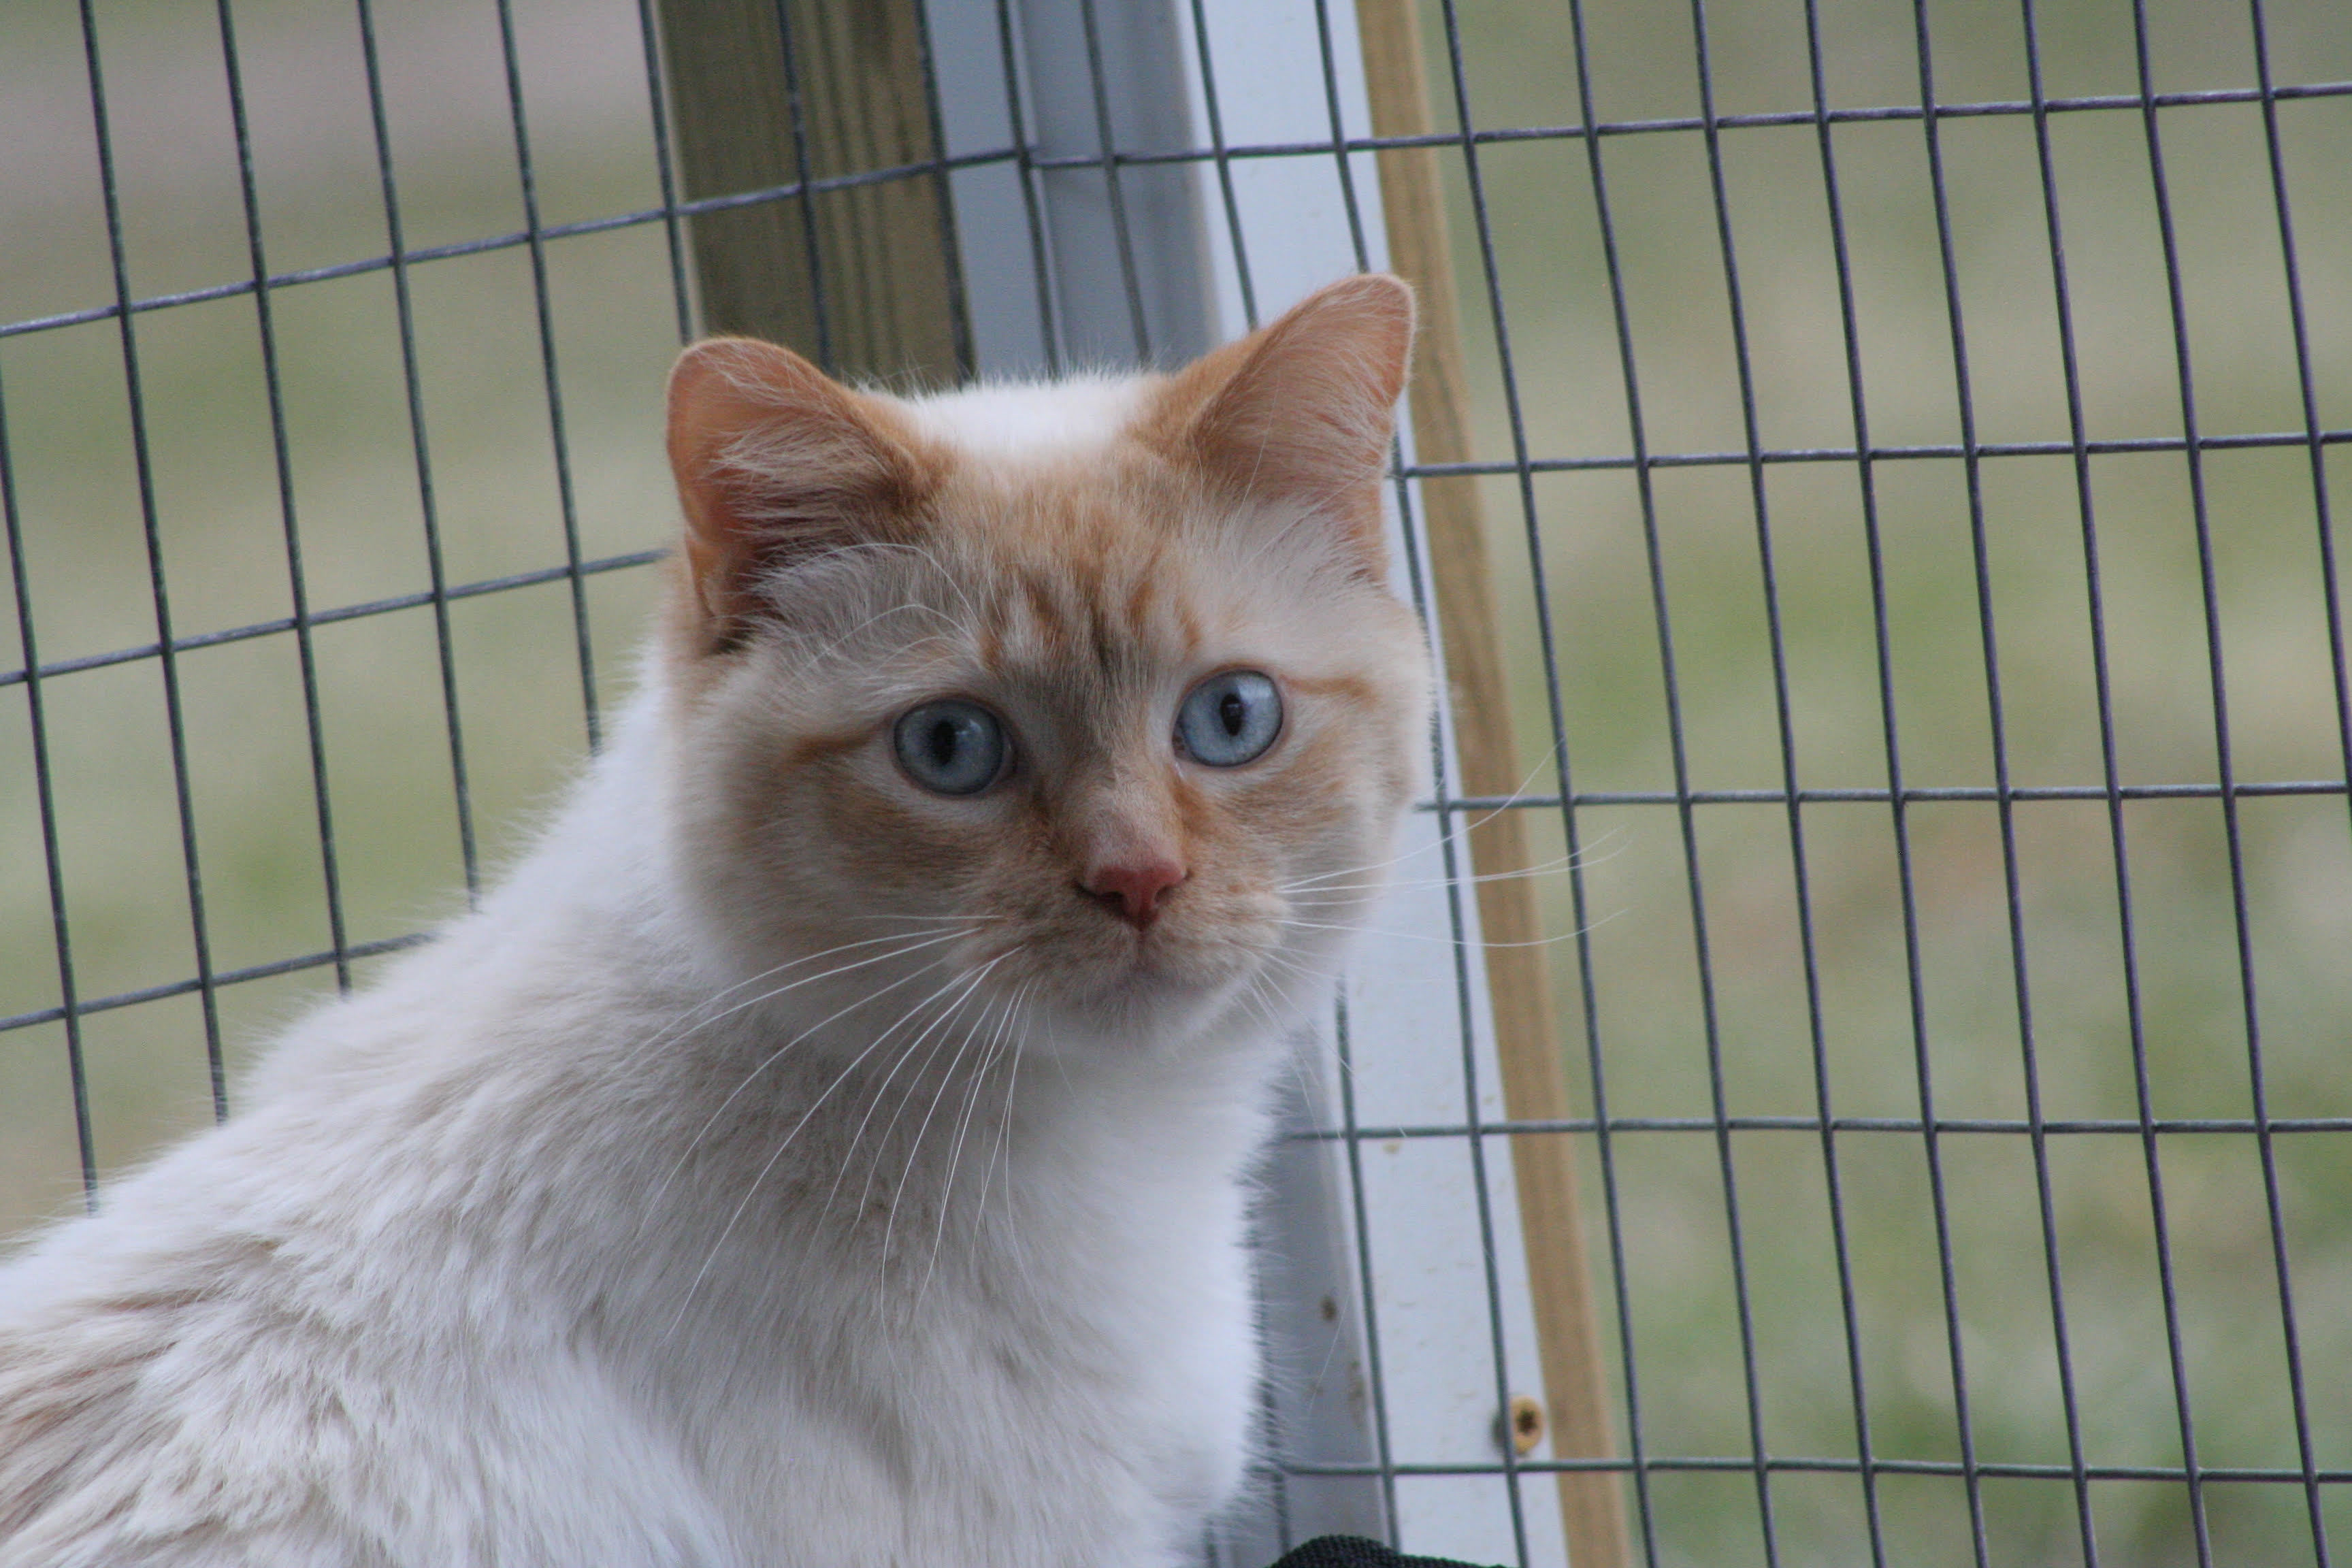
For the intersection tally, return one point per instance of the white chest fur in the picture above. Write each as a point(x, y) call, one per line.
point(491, 1313)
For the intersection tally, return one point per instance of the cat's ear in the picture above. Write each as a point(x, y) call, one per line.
point(1300, 411)
point(775, 462)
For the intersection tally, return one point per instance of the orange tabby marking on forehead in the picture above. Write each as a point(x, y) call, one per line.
point(1088, 611)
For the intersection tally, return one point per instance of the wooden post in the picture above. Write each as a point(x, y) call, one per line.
point(768, 93)
point(1518, 981)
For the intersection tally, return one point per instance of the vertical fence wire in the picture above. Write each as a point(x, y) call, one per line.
point(2331, 598)
point(1547, 643)
point(951, 258)
point(2331, 591)
point(421, 449)
point(665, 169)
point(151, 525)
point(1360, 1221)
point(804, 192)
point(1218, 152)
point(1328, 62)
point(282, 459)
point(2069, 367)
point(1107, 153)
point(2226, 772)
point(1866, 477)
point(1761, 506)
point(544, 309)
point(1965, 402)
point(37, 716)
point(2006, 809)
point(1025, 171)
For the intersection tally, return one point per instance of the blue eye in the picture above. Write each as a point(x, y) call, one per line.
point(951, 747)
point(1230, 719)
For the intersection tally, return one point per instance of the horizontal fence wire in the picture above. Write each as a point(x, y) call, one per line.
point(431, 596)
point(1833, 1464)
point(672, 210)
point(1762, 1468)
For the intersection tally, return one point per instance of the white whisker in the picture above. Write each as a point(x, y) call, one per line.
point(915, 940)
point(955, 1154)
point(973, 921)
point(814, 1105)
point(1013, 1025)
point(915, 1144)
point(1004, 1146)
point(883, 1143)
point(1585, 929)
point(1583, 857)
point(1459, 836)
point(777, 1055)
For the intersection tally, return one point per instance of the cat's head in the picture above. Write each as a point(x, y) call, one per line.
point(1087, 703)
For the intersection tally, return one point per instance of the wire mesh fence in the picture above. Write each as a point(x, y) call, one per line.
point(1907, 435)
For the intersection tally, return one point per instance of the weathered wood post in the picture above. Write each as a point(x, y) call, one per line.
point(1518, 980)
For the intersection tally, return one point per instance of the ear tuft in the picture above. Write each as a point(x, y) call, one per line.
point(1300, 411)
point(776, 462)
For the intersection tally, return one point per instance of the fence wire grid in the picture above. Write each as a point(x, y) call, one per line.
point(1909, 438)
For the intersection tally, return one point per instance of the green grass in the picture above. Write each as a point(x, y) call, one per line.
point(356, 483)
point(357, 504)
point(2296, 854)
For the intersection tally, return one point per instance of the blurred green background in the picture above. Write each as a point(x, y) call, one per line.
point(487, 446)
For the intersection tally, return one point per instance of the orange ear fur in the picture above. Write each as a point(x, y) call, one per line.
point(775, 462)
point(1300, 411)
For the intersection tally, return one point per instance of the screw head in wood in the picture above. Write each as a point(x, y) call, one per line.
point(1524, 1422)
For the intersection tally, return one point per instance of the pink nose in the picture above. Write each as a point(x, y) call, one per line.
point(1134, 887)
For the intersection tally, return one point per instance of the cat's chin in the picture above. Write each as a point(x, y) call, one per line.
point(1149, 1015)
point(1164, 1000)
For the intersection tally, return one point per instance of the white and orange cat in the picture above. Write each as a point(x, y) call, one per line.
point(828, 1148)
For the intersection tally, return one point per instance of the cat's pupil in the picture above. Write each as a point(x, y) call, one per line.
point(1232, 712)
point(943, 742)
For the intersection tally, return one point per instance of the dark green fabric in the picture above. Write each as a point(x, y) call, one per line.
point(1354, 1552)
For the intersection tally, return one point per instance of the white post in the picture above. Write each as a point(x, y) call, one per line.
point(1147, 263)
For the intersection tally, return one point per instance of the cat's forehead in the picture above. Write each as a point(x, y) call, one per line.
point(1062, 546)
point(1066, 540)
point(1087, 585)
point(1128, 612)
point(1053, 574)
point(1017, 422)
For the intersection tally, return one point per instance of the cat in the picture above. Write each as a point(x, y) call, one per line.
point(829, 1147)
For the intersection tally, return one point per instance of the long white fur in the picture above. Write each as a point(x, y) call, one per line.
point(485, 1270)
